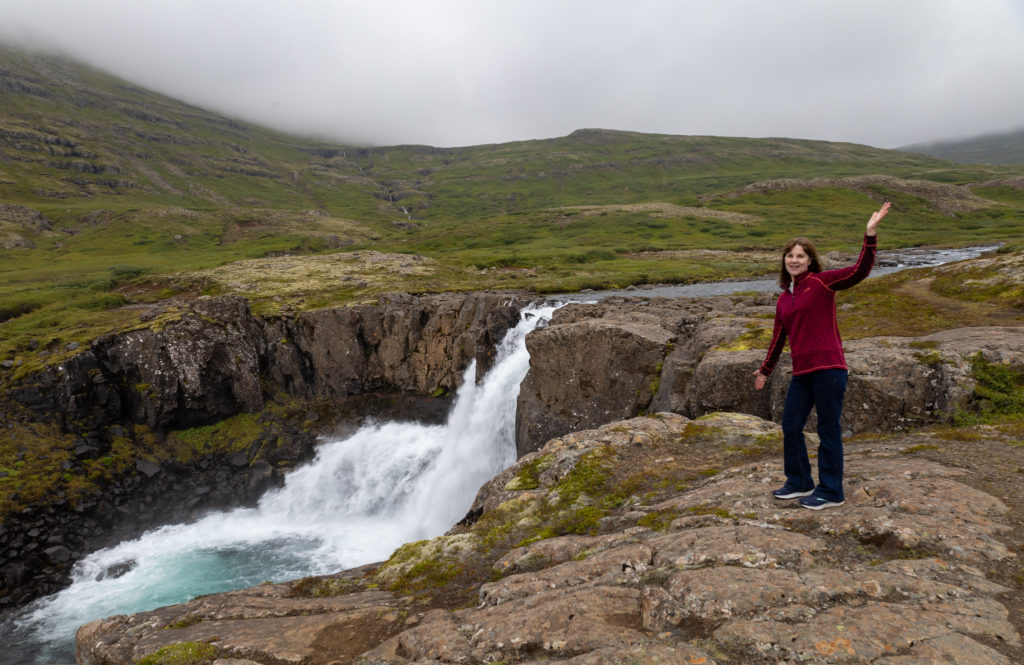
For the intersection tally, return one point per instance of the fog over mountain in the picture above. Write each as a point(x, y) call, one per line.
point(990, 148)
point(461, 72)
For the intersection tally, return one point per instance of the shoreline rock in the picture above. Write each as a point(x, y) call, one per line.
point(715, 572)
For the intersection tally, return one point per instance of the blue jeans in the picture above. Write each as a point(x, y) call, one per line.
point(824, 391)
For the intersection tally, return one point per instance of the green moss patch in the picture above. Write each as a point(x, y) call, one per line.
point(426, 575)
point(659, 520)
point(998, 393)
point(190, 620)
point(32, 461)
point(528, 477)
point(931, 359)
point(717, 511)
point(962, 433)
point(185, 653)
point(756, 336)
point(919, 448)
point(428, 566)
point(225, 436)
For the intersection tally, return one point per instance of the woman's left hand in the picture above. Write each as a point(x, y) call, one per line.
point(877, 216)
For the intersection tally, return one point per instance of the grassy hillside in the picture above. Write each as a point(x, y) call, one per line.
point(999, 148)
point(111, 195)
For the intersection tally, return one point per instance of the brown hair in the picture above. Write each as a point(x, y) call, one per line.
point(812, 254)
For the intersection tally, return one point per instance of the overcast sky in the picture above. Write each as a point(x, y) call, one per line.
point(462, 72)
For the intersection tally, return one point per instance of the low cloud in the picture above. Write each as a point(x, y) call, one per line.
point(462, 72)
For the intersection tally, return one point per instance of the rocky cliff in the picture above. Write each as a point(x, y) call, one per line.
point(115, 400)
point(626, 356)
point(655, 540)
point(212, 361)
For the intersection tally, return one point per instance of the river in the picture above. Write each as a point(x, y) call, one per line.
point(888, 261)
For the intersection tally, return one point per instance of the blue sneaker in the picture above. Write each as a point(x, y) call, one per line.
point(815, 502)
point(787, 492)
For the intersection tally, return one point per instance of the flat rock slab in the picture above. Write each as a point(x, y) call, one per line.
point(619, 566)
point(866, 633)
point(739, 545)
point(648, 654)
point(806, 609)
point(261, 623)
point(892, 501)
point(554, 622)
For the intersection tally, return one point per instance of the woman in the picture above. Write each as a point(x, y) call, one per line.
point(806, 314)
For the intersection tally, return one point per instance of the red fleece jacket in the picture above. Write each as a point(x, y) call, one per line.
point(807, 315)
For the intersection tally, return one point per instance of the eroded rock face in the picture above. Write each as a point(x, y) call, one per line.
point(597, 363)
point(200, 369)
point(207, 365)
point(624, 357)
point(417, 345)
point(729, 575)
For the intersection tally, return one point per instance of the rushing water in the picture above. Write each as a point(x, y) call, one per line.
point(360, 499)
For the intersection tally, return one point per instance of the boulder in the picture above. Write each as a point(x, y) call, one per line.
point(594, 363)
point(586, 373)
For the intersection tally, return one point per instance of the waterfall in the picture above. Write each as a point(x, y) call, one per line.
point(356, 502)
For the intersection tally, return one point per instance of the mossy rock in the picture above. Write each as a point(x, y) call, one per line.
point(735, 432)
point(184, 653)
point(426, 564)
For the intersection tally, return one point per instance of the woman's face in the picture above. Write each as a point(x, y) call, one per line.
point(797, 261)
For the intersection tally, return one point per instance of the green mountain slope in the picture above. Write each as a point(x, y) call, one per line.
point(75, 134)
point(998, 148)
point(111, 195)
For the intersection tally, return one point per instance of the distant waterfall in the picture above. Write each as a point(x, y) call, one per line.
point(356, 502)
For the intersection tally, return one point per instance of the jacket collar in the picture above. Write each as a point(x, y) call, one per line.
point(798, 280)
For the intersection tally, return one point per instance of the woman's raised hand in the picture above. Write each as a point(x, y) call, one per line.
point(877, 216)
